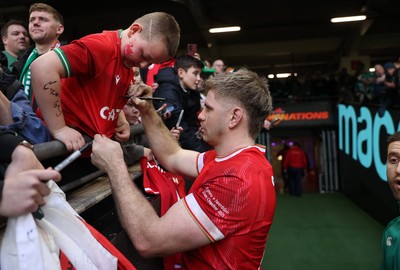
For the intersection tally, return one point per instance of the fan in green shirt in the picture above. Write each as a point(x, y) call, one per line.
point(15, 39)
point(391, 235)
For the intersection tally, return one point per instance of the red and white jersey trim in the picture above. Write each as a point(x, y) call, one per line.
point(200, 157)
point(220, 159)
point(200, 162)
point(207, 226)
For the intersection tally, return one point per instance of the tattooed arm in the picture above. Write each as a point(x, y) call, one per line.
point(47, 72)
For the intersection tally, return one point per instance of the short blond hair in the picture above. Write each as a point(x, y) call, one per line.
point(245, 88)
point(163, 26)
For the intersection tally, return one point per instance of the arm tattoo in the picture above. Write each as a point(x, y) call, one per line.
point(57, 105)
point(48, 86)
point(53, 92)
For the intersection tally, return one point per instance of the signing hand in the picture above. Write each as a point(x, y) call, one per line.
point(106, 153)
point(141, 90)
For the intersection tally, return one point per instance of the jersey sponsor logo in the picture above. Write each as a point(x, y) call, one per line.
point(117, 78)
point(389, 241)
point(109, 114)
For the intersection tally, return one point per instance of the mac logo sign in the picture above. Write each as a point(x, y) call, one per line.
point(360, 136)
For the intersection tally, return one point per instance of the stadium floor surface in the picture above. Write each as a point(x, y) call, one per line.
point(322, 231)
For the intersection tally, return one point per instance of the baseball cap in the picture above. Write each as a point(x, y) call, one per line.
point(389, 65)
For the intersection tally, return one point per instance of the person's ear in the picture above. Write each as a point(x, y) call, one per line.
point(181, 73)
point(134, 28)
point(60, 29)
point(236, 116)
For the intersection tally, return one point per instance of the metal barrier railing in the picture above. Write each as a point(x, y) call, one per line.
point(56, 148)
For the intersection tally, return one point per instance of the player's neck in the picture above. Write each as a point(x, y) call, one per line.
point(231, 145)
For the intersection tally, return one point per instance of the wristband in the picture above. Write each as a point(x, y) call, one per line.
point(26, 144)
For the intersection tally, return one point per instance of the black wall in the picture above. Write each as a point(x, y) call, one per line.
point(360, 179)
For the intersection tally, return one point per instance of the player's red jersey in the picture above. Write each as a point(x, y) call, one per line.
point(233, 202)
point(92, 95)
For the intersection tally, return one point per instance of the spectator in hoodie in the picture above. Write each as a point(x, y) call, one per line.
point(179, 86)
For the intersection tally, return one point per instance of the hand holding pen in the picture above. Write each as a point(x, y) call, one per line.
point(177, 129)
point(141, 91)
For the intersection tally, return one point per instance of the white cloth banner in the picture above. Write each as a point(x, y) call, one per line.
point(33, 244)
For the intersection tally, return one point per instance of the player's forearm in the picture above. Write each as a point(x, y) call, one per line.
point(136, 214)
point(159, 137)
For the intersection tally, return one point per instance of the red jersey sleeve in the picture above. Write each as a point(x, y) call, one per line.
point(87, 55)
